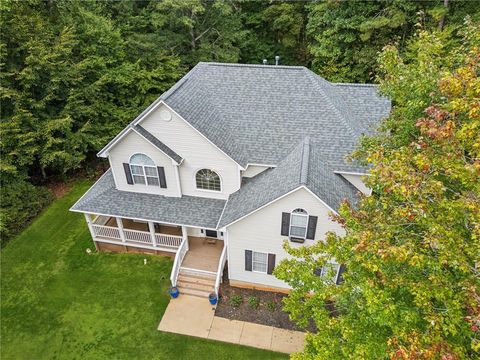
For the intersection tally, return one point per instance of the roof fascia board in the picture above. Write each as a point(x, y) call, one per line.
point(263, 165)
point(259, 208)
point(323, 202)
point(138, 218)
point(156, 147)
point(351, 173)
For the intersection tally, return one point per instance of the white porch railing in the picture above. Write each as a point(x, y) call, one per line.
point(106, 231)
point(221, 266)
point(137, 236)
point(168, 240)
point(182, 250)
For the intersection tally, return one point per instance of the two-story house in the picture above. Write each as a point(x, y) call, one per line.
point(226, 165)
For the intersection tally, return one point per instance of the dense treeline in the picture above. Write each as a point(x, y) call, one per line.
point(73, 73)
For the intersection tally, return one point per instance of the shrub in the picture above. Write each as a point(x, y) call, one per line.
point(20, 203)
point(235, 301)
point(253, 302)
point(271, 306)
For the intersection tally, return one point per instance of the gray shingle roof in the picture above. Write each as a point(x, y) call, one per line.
point(103, 198)
point(256, 113)
point(304, 165)
point(159, 144)
point(262, 114)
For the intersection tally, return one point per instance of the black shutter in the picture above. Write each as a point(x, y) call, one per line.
point(285, 223)
point(161, 176)
point(312, 226)
point(271, 263)
point(318, 271)
point(340, 274)
point(128, 173)
point(248, 260)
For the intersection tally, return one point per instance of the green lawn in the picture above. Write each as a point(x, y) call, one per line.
point(58, 302)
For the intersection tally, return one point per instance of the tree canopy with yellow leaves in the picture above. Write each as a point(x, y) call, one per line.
point(412, 248)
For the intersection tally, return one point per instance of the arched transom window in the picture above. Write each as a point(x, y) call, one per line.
point(143, 170)
point(298, 223)
point(208, 180)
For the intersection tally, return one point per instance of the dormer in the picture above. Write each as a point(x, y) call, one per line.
point(161, 153)
point(140, 166)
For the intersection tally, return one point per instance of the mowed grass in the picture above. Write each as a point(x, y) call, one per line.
point(58, 302)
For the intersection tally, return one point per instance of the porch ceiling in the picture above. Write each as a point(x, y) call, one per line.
point(104, 199)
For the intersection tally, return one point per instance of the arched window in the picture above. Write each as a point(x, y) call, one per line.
point(143, 170)
point(207, 179)
point(298, 223)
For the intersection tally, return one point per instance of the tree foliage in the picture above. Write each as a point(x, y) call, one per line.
point(411, 289)
point(346, 36)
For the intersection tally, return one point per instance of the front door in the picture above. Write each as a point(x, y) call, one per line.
point(211, 233)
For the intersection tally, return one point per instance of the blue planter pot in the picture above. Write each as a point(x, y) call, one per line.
point(174, 292)
point(213, 299)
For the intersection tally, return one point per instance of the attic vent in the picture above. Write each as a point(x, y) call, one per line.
point(265, 62)
point(165, 115)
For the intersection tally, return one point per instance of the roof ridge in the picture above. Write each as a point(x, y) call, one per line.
point(268, 66)
point(313, 79)
point(355, 84)
point(179, 83)
point(305, 161)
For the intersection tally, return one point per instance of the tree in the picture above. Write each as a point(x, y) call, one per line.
point(411, 288)
point(274, 29)
point(346, 36)
point(198, 30)
point(68, 85)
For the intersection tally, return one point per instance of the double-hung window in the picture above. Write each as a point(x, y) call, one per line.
point(298, 224)
point(259, 262)
point(143, 170)
point(329, 272)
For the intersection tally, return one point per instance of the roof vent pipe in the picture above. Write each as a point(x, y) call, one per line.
point(277, 59)
point(265, 61)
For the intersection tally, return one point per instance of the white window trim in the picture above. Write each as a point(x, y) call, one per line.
point(266, 263)
point(145, 176)
point(208, 190)
point(290, 225)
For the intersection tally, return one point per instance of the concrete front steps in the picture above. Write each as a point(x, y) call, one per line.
point(195, 283)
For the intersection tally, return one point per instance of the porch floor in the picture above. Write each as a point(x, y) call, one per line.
point(202, 254)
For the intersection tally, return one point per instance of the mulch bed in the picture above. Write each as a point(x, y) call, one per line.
point(262, 315)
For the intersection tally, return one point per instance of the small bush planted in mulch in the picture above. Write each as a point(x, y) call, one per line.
point(235, 301)
point(253, 302)
point(260, 307)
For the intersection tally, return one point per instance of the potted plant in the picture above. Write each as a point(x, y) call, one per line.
point(212, 297)
point(174, 292)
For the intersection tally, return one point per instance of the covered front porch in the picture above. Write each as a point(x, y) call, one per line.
point(136, 233)
point(199, 254)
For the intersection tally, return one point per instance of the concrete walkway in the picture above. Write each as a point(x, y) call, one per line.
point(194, 316)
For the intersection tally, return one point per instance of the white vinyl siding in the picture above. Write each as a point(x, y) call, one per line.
point(253, 170)
point(261, 231)
point(356, 180)
point(121, 153)
point(198, 153)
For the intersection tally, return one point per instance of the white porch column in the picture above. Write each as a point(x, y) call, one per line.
point(151, 227)
point(120, 228)
point(89, 223)
point(185, 237)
